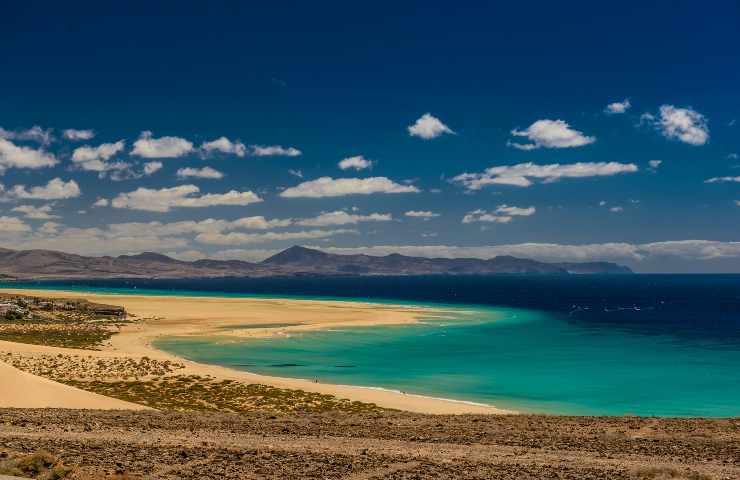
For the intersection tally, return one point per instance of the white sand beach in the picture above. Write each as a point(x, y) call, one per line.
point(162, 316)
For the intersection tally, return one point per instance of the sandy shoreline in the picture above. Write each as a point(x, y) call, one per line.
point(164, 316)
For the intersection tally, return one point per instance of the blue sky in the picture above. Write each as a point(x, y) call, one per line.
point(220, 130)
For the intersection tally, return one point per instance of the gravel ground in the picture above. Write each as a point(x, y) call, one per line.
point(378, 445)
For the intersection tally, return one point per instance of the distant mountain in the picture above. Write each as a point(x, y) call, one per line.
point(295, 261)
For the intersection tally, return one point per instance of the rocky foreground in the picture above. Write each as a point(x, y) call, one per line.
point(373, 445)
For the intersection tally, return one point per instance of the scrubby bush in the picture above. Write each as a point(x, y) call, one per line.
point(41, 465)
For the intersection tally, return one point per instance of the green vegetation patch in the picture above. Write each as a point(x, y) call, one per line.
point(83, 337)
point(192, 393)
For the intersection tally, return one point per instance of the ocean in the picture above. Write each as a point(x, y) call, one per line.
point(663, 345)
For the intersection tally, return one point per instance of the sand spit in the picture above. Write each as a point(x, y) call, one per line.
point(160, 316)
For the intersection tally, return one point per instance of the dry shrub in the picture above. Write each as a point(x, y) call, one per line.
point(41, 465)
point(668, 473)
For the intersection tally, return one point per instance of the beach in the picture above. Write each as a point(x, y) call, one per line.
point(168, 316)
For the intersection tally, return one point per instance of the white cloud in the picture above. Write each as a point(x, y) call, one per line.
point(36, 213)
point(92, 241)
point(722, 180)
point(330, 187)
point(12, 225)
point(224, 145)
point(101, 202)
point(151, 168)
point(425, 214)
point(519, 175)
point(274, 151)
point(56, 189)
point(552, 252)
point(683, 124)
point(616, 209)
point(502, 214)
point(516, 211)
point(357, 163)
point(95, 159)
point(13, 156)
point(164, 147)
point(34, 134)
point(183, 196)
point(49, 228)
point(654, 164)
point(550, 134)
point(484, 216)
point(238, 238)
point(428, 126)
point(259, 223)
point(205, 172)
point(341, 217)
point(74, 135)
point(295, 173)
point(618, 107)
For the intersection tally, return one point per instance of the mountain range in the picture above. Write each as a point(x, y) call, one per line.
point(294, 261)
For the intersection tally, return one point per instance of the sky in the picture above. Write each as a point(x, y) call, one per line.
point(556, 131)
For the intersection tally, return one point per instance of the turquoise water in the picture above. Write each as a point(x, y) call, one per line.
point(519, 359)
point(665, 345)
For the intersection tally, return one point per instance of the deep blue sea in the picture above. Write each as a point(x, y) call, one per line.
point(665, 345)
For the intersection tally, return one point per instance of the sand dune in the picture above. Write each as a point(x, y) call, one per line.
point(23, 390)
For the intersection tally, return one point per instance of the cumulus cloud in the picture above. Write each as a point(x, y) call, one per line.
point(484, 216)
point(164, 147)
point(516, 211)
point(274, 151)
point(550, 134)
point(654, 164)
point(722, 180)
point(205, 172)
point(259, 223)
point(341, 217)
point(36, 213)
point(33, 134)
point(224, 145)
point(95, 159)
point(13, 156)
point(55, 189)
point(616, 209)
point(238, 238)
point(183, 196)
point(357, 163)
point(101, 202)
point(12, 225)
point(618, 107)
point(75, 135)
point(682, 124)
point(521, 175)
point(151, 168)
point(428, 127)
point(425, 214)
point(502, 214)
point(296, 173)
point(91, 241)
point(330, 187)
